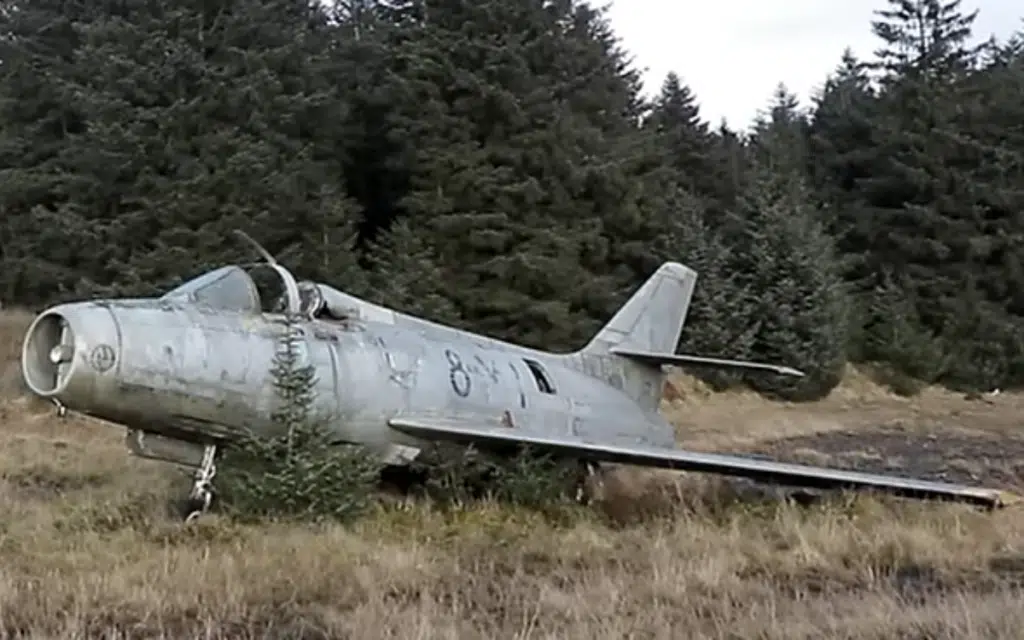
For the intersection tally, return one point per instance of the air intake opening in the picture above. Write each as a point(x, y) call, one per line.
point(47, 354)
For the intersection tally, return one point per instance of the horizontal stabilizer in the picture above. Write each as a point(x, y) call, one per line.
point(795, 475)
point(681, 360)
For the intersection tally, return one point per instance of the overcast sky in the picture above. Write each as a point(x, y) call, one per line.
point(732, 53)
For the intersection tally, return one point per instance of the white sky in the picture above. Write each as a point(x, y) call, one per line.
point(733, 53)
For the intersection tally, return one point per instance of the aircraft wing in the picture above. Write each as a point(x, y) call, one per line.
point(796, 475)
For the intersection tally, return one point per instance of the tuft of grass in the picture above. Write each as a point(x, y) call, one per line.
point(13, 325)
point(898, 382)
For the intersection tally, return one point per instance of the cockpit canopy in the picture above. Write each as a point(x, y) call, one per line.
point(265, 288)
point(229, 288)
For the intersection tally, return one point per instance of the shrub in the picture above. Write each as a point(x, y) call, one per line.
point(457, 475)
point(296, 469)
point(894, 334)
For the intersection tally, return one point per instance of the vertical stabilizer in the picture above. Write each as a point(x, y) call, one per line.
point(652, 319)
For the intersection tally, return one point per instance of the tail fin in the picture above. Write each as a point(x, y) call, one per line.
point(645, 332)
point(652, 319)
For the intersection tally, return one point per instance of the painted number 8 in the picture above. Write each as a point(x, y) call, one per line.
point(457, 374)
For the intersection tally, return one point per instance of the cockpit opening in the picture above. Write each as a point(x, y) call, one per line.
point(270, 288)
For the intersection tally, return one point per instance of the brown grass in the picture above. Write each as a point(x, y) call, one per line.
point(87, 550)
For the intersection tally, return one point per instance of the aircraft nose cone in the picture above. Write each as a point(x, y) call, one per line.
point(66, 347)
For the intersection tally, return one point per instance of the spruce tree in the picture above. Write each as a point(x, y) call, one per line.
point(43, 242)
point(404, 275)
point(841, 152)
point(780, 132)
point(787, 261)
point(939, 213)
point(685, 139)
point(720, 321)
point(296, 467)
point(502, 134)
point(198, 119)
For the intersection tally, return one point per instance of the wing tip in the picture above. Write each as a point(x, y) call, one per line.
point(1004, 499)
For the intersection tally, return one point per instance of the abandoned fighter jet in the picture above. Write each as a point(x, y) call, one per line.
point(187, 371)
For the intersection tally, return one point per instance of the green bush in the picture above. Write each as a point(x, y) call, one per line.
point(296, 470)
point(894, 333)
point(457, 475)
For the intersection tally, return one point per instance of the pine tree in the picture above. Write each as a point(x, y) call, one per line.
point(936, 214)
point(785, 258)
point(684, 138)
point(200, 119)
point(504, 139)
point(405, 276)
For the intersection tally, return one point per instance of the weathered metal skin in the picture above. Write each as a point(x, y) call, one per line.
point(154, 363)
point(194, 368)
point(203, 374)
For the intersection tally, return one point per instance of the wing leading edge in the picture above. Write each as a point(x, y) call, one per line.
point(796, 475)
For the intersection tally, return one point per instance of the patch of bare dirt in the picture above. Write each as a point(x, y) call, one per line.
point(940, 453)
point(939, 435)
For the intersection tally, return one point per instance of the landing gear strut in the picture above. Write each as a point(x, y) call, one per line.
point(589, 483)
point(201, 495)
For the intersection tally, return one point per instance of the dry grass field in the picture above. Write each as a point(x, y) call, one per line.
point(87, 549)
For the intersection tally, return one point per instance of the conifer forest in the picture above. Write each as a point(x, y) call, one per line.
point(495, 165)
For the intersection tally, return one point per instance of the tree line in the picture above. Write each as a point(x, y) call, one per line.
point(494, 164)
